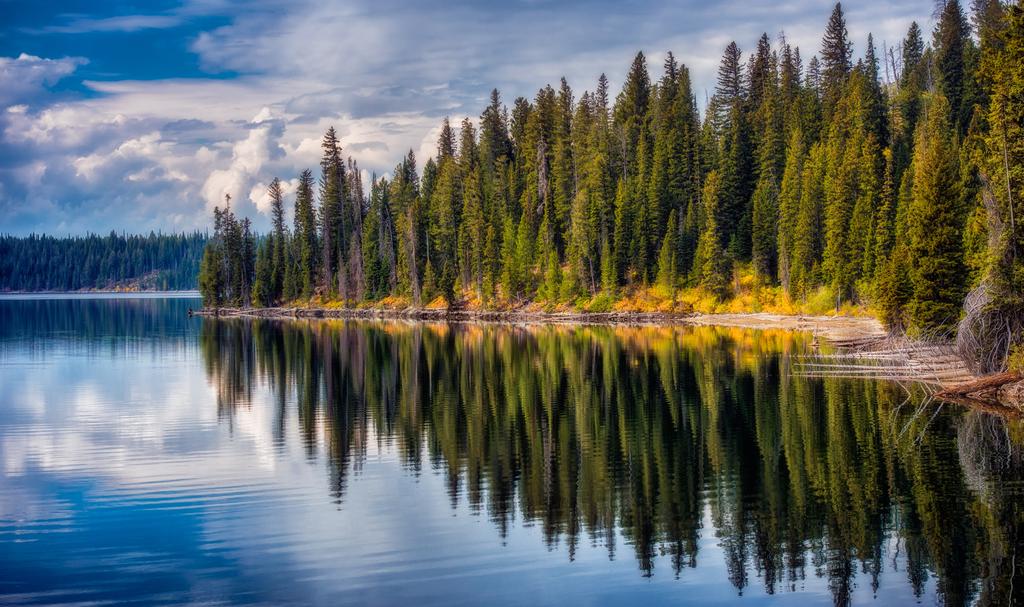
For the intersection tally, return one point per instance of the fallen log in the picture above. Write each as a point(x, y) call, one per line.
point(1006, 389)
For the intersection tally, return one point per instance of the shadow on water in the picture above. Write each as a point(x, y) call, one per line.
point(660, 436)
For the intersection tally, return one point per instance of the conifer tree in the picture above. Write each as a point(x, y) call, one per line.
point(623, 228)
point(765, 228)
point(631, 113)
point(885, 220)
point(730, 89)
point(789, 205)
point(261, 295)
point(332, 200)
point(305, 235)
point(609, 275)
point(443, 228)
point(835, 58)
point(936, 241)
point(446, 141)
point(895, 290)
point(951, 37)
point(711, 262)
point(667, 262)
point(280, 240)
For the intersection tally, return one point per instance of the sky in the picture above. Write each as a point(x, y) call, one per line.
point(139, 116)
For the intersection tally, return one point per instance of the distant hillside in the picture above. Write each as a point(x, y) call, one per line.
point(154, 262)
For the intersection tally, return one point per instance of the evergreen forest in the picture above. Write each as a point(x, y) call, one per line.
point(892, 181)
point(165, 262)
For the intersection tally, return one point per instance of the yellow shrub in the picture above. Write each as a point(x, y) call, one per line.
point(1015, 361)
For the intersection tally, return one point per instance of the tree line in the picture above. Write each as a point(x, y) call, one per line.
point(895, 180)
point(155, 261)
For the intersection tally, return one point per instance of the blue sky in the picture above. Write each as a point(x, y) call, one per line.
point(140, 116)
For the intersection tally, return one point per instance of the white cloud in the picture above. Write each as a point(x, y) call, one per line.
point(248, 158)
point(121, 23)
point(139, 154)
point(22, 77)
point(259, 195)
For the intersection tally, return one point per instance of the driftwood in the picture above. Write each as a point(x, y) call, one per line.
point(935, 365)
point(1006, 389)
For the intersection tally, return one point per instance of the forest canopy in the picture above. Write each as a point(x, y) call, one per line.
point(167, 262)
point(893, 180)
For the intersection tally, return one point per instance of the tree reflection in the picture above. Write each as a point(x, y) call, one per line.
point(591, 432)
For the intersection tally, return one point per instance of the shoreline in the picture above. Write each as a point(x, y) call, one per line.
point(829, 327)
point(863, 348)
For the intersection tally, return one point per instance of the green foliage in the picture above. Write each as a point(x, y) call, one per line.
point(153, 261)
point(936, 241)
point(829, 182)
point(1015, 361)
point(895, 291)
point(262, 284)
point(667, 263)
point(765, 228)
point(711, 265)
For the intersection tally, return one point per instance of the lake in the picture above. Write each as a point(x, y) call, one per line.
point(147, 457)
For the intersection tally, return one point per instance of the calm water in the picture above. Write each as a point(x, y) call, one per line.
point(151, 458)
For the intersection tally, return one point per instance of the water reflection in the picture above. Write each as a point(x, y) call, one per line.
point(654, 438)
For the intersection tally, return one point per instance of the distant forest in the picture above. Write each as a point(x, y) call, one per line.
point(893, 180)
point(166, 262)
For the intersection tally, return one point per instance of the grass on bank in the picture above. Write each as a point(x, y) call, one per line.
point(748, 295)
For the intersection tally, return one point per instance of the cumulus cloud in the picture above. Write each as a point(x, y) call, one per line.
point(248, 157)
point(22, 77)
point(143, 154)
point(259, 194)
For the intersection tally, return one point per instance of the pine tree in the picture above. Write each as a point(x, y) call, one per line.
point(332, 199)
point(667, 262)
point(711, 265)
point(874, 102)
point(730, 89)
point(789, 205)
point(835, 59)
point(885, 220)
point(951, 37)
point(895, 290)
point(609, 275)
point(736, 169)
point(936, 243)
point(631, 113)
point(623, 228)
point(305, 235)
point(912, 82)
point(261, 295)
point(210, 285)
point(494, 138)
point(473, 230)
point(446, 141)
point(280, 234)
point(443, 228)
point(510, 275)
point(765, 228)
point(552, 279)
point(809, 233)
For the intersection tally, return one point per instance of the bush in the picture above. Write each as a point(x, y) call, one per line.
point(1015, 361)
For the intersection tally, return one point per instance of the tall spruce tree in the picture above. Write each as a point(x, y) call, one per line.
point(835, 59)
point(936, 240)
